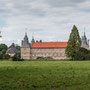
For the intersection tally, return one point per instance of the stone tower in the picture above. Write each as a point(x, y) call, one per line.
point(25, 48)
point(85, 42)
point(25, 42)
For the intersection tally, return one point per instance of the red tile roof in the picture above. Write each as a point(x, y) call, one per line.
point(49, 45)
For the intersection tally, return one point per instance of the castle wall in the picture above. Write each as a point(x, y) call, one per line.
point(25, 53)
point(55, 53)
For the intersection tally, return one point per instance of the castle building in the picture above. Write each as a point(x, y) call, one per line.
point(85, 42)
point(54, 50)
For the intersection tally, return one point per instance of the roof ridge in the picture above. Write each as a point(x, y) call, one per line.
point(52, 42)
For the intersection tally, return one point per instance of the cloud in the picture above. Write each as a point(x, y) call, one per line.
point(49, 20)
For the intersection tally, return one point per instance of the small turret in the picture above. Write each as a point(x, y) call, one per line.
point(13, 45)
point(40, 41)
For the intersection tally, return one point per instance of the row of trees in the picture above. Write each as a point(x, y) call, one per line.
point(74, 50)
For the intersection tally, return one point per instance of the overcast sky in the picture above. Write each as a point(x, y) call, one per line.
point(49, 20)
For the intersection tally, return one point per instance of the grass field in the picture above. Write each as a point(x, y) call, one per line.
point(45, 75)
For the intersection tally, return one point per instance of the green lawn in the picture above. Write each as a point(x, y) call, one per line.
point(45, 75)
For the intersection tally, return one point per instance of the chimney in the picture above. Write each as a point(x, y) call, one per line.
point(36, 40)
point(40, 41)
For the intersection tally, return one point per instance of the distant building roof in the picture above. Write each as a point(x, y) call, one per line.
point(49, 45)
point(12, 50)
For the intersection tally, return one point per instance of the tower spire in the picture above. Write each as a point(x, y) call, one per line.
point(85, 42)
point(25, 33)
point(84, 32)
point(25, 42)
point(32, 41)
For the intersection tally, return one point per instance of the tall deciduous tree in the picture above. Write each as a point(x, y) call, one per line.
point(74, 43)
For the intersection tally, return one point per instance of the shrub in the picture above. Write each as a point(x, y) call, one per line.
point(82, 54)
point(44, 58)
point(40, 58)
point(1, 56)
point(6, 56)
point(17, 58)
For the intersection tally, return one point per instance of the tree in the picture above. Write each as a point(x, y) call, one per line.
point(6, 56)
point(18, 47)
point(74, 43)
point(3, 46)
point(82, 54)
point(1, 56)
point(3, 49)
point(17, 57)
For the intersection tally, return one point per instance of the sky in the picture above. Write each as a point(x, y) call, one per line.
point(49, 20)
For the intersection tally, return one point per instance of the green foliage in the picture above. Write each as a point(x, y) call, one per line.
point(18, 47)
point(6, 56)
point(1, 56)
point(74, 43)
point(45, 75)
point(3, 49)
point(44, 58)
point(82, 54)
point(17, 58)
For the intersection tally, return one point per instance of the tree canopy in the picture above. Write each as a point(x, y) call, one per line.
point(74, 43)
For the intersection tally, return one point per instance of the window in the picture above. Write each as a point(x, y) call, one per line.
point(45, 49)
point(34, 54)
point(45, 54)
point(49, 54)
point(55, 55)
point(24, 48)
point(41, 54)
point(63, 55)
point(37, 54)
point(24, 54)
point(59, 55)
